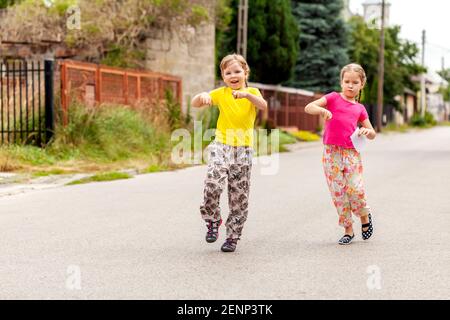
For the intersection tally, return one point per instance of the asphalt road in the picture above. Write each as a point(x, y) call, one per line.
point(143, 238)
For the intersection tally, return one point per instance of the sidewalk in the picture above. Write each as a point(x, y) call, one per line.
point(14, 183)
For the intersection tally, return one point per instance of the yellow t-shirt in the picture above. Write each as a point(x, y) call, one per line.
point(236, 118)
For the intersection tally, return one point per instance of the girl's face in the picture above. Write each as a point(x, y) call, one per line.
point(351, 84)
point(234, 75)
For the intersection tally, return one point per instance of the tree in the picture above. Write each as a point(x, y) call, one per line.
point(224, 15)
point(272, 44)
point(323, 45)
point(7, 3)
point(400, 60)
point(445, 74)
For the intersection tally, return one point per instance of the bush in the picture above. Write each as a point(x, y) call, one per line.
point(418, 121)
point(107, 133)
point(173, 108)
point(429, 119)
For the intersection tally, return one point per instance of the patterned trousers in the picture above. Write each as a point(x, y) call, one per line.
point(232, 165)
point(343, 171)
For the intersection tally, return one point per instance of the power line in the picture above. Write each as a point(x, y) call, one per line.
point(429, 44)
point(439, 46)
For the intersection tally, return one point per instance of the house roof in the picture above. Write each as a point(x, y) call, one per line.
point(409, 91)
point(431, 77)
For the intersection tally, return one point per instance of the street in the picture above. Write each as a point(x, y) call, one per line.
point(143, 238)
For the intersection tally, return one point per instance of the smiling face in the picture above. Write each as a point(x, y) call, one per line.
point(234, 75)
point(351, 84)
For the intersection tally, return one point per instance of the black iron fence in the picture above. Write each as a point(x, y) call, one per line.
point(26, 102)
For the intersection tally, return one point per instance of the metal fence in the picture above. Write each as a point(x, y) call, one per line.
point(387, 116)
point(286, 107)
point(26, 102)
point(95, 84)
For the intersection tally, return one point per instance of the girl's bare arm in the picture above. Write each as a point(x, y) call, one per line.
point(367, 130)
point(201, 100)
point(318, 107)
point(257, 101)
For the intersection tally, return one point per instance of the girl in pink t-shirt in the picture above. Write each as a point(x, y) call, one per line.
point(341, 162)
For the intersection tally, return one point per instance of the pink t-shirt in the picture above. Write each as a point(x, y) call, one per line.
point(346, 116)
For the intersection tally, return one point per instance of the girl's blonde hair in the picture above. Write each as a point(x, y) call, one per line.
point(235, 58)
point(359, 70)
point(355, 68)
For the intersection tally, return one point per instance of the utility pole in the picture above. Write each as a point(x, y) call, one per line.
point(380, 73)
point(442, 86)
point(242, 28)
point(422, 79)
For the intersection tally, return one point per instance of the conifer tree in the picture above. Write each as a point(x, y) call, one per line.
point(323, 45)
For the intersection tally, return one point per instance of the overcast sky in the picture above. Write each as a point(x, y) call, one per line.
point(415, 15)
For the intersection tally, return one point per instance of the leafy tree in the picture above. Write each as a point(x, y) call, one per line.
point(323, 44)
point(272, 44)
point(400, 60)
point(445, 74)
point(7, 3)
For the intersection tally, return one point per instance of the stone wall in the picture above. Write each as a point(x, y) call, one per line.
point(189, 55)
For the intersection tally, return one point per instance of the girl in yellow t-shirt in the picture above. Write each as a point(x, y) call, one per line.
point(230, 154)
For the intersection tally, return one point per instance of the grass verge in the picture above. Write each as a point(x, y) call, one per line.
point(108, 176)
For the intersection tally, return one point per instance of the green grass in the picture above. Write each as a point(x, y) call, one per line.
point(392, 127)
point(306, 136)
point(286, 138)
point(48, 173)
point(155, 168)
point(282, 149)
point(290, 138)
point(109, 176)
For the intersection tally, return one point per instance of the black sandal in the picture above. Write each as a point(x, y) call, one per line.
point(346, 239)
point(368, 233)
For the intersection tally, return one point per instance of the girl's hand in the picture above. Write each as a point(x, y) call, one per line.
point(326, 114)
point(205, 99)
point(239, 94)
point(364, 131)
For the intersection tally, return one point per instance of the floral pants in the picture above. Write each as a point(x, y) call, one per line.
point(232, 165)
point(343, 171)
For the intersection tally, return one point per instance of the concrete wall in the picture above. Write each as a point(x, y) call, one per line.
point(190, 55)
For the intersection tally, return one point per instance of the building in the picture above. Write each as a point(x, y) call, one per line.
point(435, 100)
point(435, 103)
